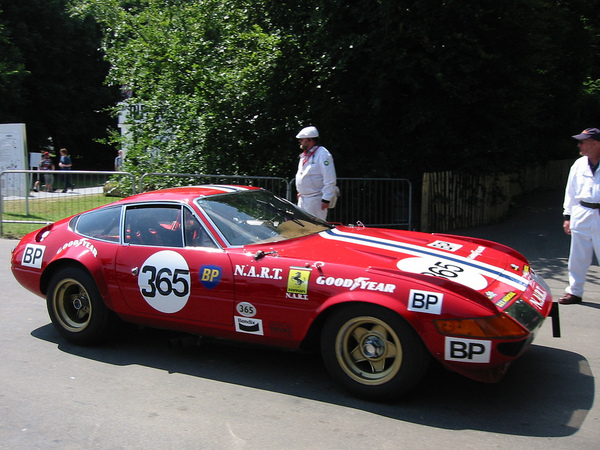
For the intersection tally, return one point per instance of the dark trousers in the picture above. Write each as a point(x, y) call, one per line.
point(67, 180)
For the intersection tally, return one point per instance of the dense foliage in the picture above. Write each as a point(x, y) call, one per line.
point(396, 87)
point(12, 72)
point(198, 72)
point(52, 78)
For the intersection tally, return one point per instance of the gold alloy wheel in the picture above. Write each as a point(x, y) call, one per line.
point(72, 306)
point(368, 350)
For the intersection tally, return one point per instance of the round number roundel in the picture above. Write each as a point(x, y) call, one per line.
point(164, 281)
point(457, 272)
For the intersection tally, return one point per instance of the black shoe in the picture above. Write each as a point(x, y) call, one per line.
point(35, 190)
point(569, 299)
point(64, 191)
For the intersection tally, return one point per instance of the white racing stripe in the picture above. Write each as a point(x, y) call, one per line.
point(225, 188)
point(416, 250)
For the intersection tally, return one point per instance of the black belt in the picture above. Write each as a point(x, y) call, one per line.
point(590, 205)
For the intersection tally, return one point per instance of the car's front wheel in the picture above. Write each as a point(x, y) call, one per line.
point(373, 352)
point(76, 307)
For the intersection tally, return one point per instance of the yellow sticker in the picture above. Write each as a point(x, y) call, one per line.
point(298, 280)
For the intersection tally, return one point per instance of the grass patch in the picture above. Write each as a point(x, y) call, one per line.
point(46, 210)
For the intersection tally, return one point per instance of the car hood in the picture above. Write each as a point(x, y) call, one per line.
point(484, 266)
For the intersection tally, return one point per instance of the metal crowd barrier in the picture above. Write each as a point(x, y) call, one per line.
point(375, 202)
point(382, 202)
point(279, 186)
point(21, 204)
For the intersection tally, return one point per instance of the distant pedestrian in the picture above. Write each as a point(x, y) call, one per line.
point(45, 164)
point(581, 213)
point(66, 164)
point(316, 179)
point(119, 160)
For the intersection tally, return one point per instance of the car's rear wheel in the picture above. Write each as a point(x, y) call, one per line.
point(373, 352)
point(76, 307)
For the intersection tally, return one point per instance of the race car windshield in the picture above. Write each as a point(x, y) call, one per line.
point(253, 217)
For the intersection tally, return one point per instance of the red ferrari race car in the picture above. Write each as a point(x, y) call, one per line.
point(237, 262)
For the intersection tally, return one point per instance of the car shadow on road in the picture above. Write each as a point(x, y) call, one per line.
point(547, 392)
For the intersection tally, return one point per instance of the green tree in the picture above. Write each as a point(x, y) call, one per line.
point(12, 74)
point(447, 84)
point(396, 87)
point(197, 72)
point(62, 91)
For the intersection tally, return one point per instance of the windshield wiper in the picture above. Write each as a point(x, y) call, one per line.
point(284, 212)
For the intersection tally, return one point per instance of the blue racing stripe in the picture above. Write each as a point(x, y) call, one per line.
point(420, 251)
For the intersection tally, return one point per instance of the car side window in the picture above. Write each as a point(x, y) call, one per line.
point(154, 225)
point(102, 224)
point(194, 232)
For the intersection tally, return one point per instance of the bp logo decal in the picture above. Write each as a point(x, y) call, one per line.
point(210, 276)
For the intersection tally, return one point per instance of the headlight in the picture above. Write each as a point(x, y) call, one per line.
point(525, 314)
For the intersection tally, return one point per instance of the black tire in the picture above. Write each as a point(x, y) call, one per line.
point(76, 307)
point(373, 352)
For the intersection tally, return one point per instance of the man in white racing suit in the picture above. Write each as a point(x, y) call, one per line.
point(316, 178)
point(582, 213)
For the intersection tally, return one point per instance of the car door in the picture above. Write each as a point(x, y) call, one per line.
point(273, 295)
point(169, 267)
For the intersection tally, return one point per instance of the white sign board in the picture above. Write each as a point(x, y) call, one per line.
point(13, 156)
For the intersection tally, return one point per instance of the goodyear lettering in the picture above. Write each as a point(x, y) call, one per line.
point(468, 350)
point(245, 270)
point(356, 283)
point(79, 243)
point(426, 302)
point(33, 256)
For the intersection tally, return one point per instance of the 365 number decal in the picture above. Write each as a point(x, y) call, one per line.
point(164, 281)
point(462, 274)
point(439, 269)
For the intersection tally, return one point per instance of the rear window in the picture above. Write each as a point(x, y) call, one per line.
point(102, 224)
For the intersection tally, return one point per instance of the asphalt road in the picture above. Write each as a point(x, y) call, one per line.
point(140, 392)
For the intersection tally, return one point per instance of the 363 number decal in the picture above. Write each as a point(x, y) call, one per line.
point(164, 281)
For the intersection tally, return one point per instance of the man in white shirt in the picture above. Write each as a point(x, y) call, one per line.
point(316, 178)
point(582, 213)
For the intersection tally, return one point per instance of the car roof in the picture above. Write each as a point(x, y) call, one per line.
point(187, 193)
